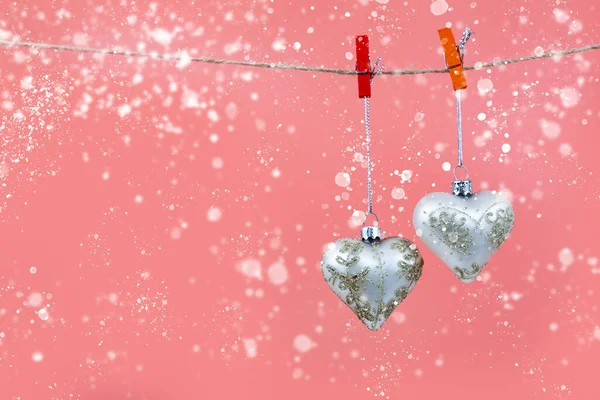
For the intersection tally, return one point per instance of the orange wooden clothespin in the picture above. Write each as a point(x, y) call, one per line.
point(453, 61)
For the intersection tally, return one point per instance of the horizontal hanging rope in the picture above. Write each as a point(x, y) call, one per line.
point(294, 67)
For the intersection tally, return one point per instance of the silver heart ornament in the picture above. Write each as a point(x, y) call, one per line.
point(464, 231)
point(372, 277)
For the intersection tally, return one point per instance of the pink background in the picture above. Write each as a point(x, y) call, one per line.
point(161, 206)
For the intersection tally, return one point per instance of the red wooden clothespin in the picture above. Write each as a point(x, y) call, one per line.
point(453, 61)
point(363, 64)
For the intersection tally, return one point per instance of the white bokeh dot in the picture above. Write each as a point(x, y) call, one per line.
point(439, 7)
point(43, 314)
point(214, 214)
point(565, 149)
point(342, 179)
point(302, 343)
point(217, 163)
point(538, 51)
point(35, 299)
point(485, 85)
point(398, 193)
point(550, 129)
point(566, 257)
point(251, 268)
point(569, 97)
point(277, 273)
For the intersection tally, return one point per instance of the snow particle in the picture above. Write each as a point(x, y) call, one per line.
point(35, 299)
point(213, 115)
point(124, 110)
point(175, 233)
point(251, 347)
point(406, 175)
point(439, 7)
point(398, 193)
point(214, 214)
point(231, 110)
point(560, 16)
point(550, 129)
point(342, 179)
point(277, 273)
point(485, 85)
point(569, 97)
point(565, 256)
point(184, 60)
point(565, 149)
point(43, 314)
point(251, 268)
point(279, 45)
point(358, 217)
point(539, 51)
point(217, 163)
point(575, 26)
point(163, 36)
point(302, 343)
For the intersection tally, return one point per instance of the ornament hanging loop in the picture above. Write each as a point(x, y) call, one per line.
point(367, 215)
point(371, 233)
point(461, 167)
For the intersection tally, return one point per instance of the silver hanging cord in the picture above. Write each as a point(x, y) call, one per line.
point(461, 187)
point(461, 51)
point(367, 102)
point(459, 120)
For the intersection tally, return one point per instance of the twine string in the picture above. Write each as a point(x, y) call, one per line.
point(296, 67)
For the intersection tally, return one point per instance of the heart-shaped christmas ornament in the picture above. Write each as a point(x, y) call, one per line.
point(372, 276)
point(464, 229)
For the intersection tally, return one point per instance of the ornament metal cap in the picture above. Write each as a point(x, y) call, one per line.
point(462, 188)
point(371, 234)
